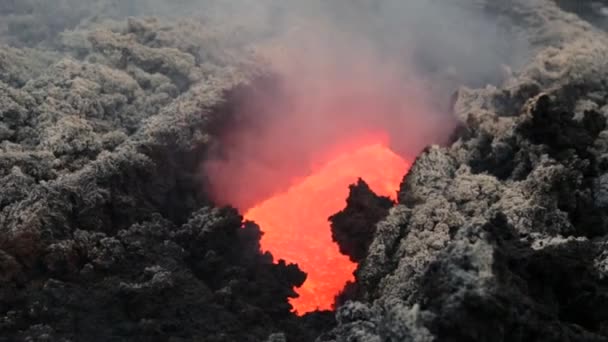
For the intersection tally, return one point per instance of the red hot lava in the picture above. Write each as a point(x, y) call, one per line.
point(296, 227)
point(299, 141)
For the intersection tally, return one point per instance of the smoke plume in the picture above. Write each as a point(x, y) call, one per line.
point(344, 72)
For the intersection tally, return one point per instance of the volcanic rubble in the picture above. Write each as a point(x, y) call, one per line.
point(106, 236)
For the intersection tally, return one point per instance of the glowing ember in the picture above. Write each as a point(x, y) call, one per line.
point(296, 227)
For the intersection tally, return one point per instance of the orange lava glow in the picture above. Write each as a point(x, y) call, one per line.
point(296, 227)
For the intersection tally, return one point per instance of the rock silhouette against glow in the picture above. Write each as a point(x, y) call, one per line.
point(295, 222)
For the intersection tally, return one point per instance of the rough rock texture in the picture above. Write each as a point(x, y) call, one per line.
point(353, 228)
point(501, 236)
point(148, 282)
point(105, 234)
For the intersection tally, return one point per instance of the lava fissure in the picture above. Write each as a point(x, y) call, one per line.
point(330, 114)
point(296, 227)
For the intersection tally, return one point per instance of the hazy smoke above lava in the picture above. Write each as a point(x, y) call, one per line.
point(346, 71)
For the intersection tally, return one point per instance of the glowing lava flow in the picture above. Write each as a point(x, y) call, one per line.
point(295, 222)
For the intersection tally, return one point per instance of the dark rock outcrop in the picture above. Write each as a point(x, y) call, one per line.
point(353, 228)
point(501, 236)
point(106, 232)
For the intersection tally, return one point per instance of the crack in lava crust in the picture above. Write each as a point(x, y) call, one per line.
point(296, 227)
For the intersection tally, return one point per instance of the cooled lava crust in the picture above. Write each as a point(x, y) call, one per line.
point(105, 234)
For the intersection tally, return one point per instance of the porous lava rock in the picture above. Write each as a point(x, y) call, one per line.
point(105, 233)
point(501, 235)
point(353, 228)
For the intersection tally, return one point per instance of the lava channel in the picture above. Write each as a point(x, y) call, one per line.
point(296, 226)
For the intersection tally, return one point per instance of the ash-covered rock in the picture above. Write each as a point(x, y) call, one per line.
point(353, 228)
point(104, 232)
point(205, 279)
point(500, 236)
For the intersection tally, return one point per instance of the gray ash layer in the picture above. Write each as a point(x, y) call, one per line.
point(502, 235)
point(106, 236)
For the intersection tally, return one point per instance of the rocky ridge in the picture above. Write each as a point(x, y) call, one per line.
point(104, 233)
point(501, 236)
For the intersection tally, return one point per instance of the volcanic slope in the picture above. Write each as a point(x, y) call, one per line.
point(104, 232)
point(105, 236)
point(502, 235)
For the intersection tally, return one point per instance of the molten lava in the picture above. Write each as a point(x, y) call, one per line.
point(295, 222)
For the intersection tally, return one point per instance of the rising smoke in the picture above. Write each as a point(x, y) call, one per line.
point(340, 69)
point(346, 70)
point(104, 233)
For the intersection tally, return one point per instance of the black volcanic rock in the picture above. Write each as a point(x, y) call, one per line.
point(501, 236)
point(353, 228)
point(552, 123)
point(149, 282)
point(106, 233)
point(526, 293)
